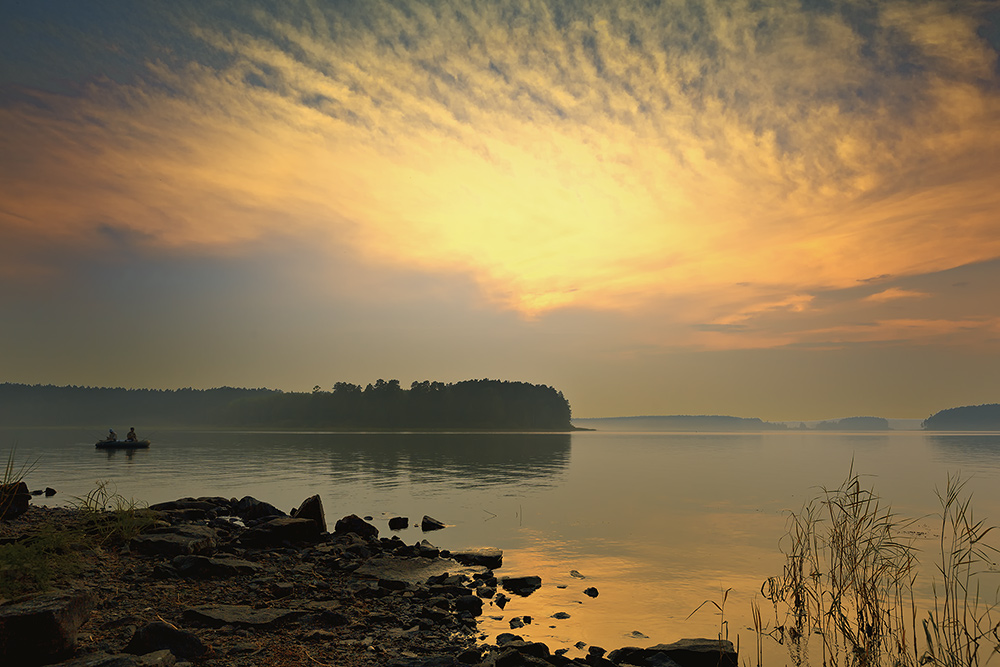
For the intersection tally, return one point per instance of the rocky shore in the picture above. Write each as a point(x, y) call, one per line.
point(217, 581)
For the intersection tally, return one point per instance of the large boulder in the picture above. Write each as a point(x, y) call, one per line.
point(430, 523)
point(13, 500)
point(686, 653)
point(42, 629)
point(312, 508)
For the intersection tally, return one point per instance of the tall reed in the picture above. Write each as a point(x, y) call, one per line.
point(961, 625)
point(848, 585)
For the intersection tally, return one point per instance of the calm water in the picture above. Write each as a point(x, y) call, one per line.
point(658, 522)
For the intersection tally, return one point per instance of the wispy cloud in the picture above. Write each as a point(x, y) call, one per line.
point(583, 154)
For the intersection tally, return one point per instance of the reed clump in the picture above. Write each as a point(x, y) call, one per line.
point(111, 518)
point(846, 596)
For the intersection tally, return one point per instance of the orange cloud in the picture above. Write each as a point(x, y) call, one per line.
point(560, 164)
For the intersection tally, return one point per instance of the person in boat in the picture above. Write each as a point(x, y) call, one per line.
point(131, 436)
point(112, 436)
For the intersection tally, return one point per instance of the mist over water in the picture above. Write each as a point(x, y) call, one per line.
point(658, 522)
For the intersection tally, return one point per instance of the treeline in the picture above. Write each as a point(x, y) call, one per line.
point(967, 418)
point(471, 404)
point(855, 424)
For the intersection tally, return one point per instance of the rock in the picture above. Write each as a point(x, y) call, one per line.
point(202, 567)
point(185, 504)
point(596, 651)
point(428, 523)
point(49, 492)
point(501, 600)
point(488, 557)
point(686, 653)
point(355, 524)
point(635, 634)
point(592, 592)
point(175, 541)
point(523, 586)
point(218, 615)
point(561, 615)
point(576, 575)
point(469, 603)
point(14, 500)
point(43, 628)
point(398, 522)
point(280, 530)
point(248, 508)
point(516, 623)
point(105, 660)
point(159, 636)
point(312, 508)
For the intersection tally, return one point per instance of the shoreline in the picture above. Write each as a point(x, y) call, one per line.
point(269, 589)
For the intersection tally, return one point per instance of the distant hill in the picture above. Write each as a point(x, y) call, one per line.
point(968, 418)
point(679, 423)
point(855, 424)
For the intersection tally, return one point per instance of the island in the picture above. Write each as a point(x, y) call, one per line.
point(984, 417)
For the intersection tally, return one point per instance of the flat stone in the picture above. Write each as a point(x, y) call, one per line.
point(685, 653)
point(489, 557)
point(175, 541)
point(217, 615)
point(414, 570)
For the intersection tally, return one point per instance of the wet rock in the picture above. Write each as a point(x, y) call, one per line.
point(49, 492)
point(185, 504)
point(635, 634)
point(43, 628)
point(516, 623)
point(523, 586)
point(686, 653)
point(14, 499)
point(469, 603)
point(355, 524)
point(175, 541)
point(576, 575)
point(592, 592)
point(501, 600)
point(489, 557)
point(158, 636)
point(398, 522)
point(561, 615)
point(312, 508)
point(429, 523)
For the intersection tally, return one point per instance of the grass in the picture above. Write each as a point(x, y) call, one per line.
point(847, 590)
point(110, 517)
point(50, 553)
point(12, 476)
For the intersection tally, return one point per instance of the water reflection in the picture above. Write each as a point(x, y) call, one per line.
point(980, 449)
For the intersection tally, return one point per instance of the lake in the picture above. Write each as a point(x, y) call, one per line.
point(657, 522)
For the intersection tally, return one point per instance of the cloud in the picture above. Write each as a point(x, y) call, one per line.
point(610, 157)
point(895, 293)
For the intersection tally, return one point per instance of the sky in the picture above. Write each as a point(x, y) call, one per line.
point(762, 208)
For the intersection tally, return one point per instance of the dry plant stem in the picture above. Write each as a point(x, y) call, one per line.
point(846, 578)
point(960, 624)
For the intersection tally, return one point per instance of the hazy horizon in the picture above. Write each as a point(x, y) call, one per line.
point(777, 210)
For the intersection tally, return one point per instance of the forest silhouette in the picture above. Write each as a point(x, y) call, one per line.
point(469, 404)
